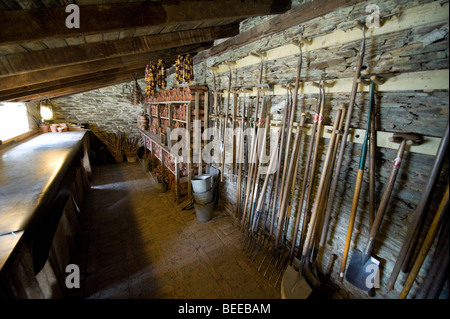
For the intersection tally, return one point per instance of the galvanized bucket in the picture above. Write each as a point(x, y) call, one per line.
point(204, 198)
point(204, 212)
point(201, 183)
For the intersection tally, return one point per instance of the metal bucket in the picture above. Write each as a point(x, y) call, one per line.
point(204, 198)
point(145, 165)
point(201, 183)
point(204, 212)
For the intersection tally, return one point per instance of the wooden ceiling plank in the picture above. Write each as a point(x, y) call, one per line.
point(68, 82)
point(34, 46)
point(126, 34)
point(40, 60)
point(55, 43)
point(110, 36)
point(44, 76)
point(72, 41)
point(94, 38)
point(12, 49)
point(139, 32)
point(30, 25)
point(156, 29)
point(79, 88)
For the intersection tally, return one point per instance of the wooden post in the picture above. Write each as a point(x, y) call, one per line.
point(198, 151)
point(189, 128)
point(177, 180)
point(235, 101)
point(206, 119)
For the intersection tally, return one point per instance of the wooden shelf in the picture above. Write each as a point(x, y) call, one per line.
point(153, 140)
point(170, 102)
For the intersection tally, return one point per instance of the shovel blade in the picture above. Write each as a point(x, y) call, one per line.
point(362, 272)
point(293, 279)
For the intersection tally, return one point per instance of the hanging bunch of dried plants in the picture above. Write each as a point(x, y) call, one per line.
point(132, 144)
point(113, 141)
point(137, 92)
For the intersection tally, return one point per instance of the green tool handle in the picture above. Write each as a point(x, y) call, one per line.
point(362, 160)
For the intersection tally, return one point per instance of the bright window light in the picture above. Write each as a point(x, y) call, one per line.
point(13, 120)
point(46, 113)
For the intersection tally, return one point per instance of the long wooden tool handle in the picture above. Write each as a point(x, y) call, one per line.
point(225, 126)
point(431, 282)
point(359, 179)
point(385, 199)
point(419, 216)
point(286, 115)
point(318, 197)
point(268, 173)
point(304, 187)
point(252, 168)
point(437, 220)
point(351, 223)
point(262, 149)
point(322, 224)
point(290, 178)
point(291, 123)
point(308, 180)
point(411, 237)
point(348, 121)
point(372, 154)
point(260, 146)
point(326, 222)
point(239, 159)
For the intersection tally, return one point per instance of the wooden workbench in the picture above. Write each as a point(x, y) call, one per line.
point(42, 181)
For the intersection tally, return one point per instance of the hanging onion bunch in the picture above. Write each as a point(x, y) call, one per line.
point(150, 79)
point(188, 68)
point(179, 68)
point(184, 68)
point(161, 75)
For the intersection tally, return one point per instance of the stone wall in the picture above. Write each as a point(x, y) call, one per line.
point(106, 109)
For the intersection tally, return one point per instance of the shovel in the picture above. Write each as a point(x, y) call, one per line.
point(301, 289)
point(326, 288)
point(362, 271)
point(359, 180)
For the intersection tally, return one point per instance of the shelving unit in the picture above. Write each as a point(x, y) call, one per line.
point(168, 110)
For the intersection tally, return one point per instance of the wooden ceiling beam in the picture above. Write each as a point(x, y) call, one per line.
point(45, 59)
point(294, 17)
point(68, 82)
point(20, 26)
point(43, 77)
point(77, 87)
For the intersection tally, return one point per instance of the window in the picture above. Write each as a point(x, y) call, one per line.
point(13, 120)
